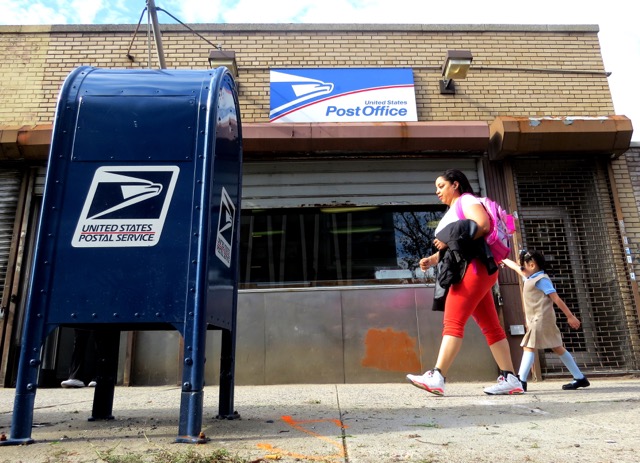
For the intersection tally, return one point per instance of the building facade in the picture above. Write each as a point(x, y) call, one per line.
point(335, 215)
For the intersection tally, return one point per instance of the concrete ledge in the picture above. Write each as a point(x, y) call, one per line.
point(32, 142)
point(361, 137)
point(504, 137)
point(25, 143)
point(512, 136)
point(291, 27)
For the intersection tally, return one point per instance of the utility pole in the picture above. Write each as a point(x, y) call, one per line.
point(151, 9)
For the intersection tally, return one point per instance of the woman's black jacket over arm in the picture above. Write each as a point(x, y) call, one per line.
point(453, 260)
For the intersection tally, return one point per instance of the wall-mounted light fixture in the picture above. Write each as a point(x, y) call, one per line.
point(226, 58)
point(455, 67)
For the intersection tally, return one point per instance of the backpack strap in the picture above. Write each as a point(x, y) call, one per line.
point(459, 211)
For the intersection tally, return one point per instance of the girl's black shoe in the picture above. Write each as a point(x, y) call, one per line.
point(576, 383)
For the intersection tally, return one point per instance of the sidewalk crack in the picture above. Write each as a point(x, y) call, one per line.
point(342, 428)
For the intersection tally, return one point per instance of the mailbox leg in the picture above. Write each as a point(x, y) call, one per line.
point(191, 405)
point(108, 343)
point(227, 376)
point(192, 398)
point(26, 386)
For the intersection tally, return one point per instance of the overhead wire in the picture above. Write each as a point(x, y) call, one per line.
point(129, 55)
point(131, 58)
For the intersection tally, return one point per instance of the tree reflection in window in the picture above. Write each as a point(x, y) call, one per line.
point(415, 231)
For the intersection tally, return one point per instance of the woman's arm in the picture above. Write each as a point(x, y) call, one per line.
point(478, 214)
point(430, 261)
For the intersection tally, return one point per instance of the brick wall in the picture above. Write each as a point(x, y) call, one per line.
point(626, 171)
point(23, 57)
point(515, 69)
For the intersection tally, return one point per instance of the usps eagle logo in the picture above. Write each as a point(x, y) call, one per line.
point(296, 90)
point(226, 220)
point(126, 206)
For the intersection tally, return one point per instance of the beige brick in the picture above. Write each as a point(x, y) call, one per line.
point(48, 57)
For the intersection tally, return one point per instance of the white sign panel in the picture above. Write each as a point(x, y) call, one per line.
point(342, 95)
point(126, 206)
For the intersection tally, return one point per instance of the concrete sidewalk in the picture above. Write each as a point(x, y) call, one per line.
point(348, 423)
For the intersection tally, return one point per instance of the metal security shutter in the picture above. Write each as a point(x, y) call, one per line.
point(335, 182)
point(38, 187)
point(10, 181)
point(566, 211)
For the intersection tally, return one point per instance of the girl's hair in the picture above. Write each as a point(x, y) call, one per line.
point(536, 256)
point(455, 175)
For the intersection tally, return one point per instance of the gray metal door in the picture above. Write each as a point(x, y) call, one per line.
point(550, 229)
point(566, 211)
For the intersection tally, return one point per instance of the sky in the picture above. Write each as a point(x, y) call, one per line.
point(619, 28)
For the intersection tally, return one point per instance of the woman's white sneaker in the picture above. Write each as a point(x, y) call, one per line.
point(72, 383)
point(506, 386)
point(432, 381)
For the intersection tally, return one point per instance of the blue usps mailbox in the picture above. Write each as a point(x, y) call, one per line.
point(139, 227)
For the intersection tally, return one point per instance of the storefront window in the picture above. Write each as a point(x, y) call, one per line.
point(335, 246)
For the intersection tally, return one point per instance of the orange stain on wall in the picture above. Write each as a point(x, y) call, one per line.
point(390, 350)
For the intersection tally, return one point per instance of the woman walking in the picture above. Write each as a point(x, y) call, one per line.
point(472, 296)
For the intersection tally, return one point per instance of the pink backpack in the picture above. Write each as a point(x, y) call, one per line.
point(502, 227)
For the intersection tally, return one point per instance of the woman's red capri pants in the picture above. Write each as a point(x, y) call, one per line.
point(472, 297)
